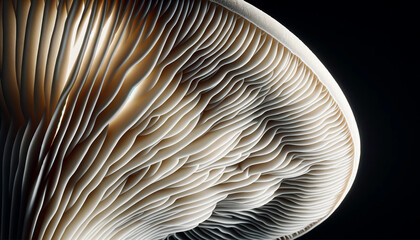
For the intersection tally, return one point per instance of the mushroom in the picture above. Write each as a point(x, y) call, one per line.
point(165, 120)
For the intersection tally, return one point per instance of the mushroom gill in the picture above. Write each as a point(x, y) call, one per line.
point(165, 119)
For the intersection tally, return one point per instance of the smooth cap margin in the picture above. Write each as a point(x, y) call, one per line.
point(298, 48)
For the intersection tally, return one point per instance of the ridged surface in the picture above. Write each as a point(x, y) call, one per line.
point(160, 119)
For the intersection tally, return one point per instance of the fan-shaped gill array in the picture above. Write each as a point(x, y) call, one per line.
point(161, 119)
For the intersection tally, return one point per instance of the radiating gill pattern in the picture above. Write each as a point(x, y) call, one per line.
point(160, 119)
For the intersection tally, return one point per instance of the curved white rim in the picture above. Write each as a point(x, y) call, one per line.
point(298, 48)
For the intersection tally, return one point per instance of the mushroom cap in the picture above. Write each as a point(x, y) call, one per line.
point(166, 119)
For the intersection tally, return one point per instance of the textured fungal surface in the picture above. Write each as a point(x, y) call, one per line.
point(161, 120)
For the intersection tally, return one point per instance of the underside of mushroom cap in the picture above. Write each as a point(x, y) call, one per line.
point(165, 119)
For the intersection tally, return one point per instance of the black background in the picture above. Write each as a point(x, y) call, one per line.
point(371, 49)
